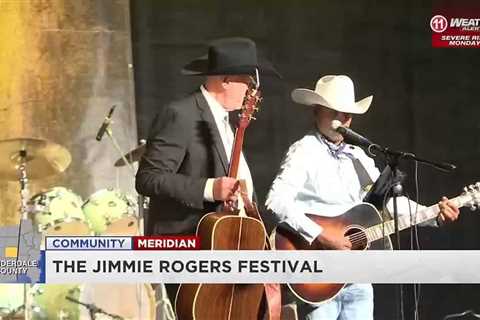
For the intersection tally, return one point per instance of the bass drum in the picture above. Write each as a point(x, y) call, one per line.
point(112, 212)
point(11, 301)
point(129, 301)
point(58, 211)
point(49, 301)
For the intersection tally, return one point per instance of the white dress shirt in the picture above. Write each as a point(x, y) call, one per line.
point(315, 178)
point(221, 119)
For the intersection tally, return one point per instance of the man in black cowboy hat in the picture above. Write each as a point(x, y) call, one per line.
point(185, 166)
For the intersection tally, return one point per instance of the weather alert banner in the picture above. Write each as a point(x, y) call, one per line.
point(456, 28)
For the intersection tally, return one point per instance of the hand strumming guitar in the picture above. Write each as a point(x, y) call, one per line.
point(332, 241)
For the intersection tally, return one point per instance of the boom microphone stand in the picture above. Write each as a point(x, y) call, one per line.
point(141, 199)
point(393, 158)
point(93, 310)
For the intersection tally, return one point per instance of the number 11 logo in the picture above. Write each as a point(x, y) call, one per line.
point(438, 23)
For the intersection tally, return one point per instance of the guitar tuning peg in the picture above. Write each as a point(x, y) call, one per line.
point(473, 207)
point(471, 188)
point(465, 189)
point(477, 185)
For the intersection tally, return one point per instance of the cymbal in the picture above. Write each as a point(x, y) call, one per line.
point(133, 156)
point(42, 158)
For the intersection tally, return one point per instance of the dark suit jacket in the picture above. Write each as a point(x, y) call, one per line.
point(184, 149)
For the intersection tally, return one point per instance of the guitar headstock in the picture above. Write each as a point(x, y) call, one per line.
point(250, 105)
point(472, 192)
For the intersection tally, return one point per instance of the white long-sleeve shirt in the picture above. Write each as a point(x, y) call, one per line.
point(220, 115)
point(318, 179)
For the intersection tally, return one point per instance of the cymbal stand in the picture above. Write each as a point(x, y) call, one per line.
point(24, 196)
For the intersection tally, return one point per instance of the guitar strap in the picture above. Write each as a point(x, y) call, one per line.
point(362, 174)
point(273, 293)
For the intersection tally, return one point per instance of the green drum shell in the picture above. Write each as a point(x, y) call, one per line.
point(55, 206)
point(107, 206)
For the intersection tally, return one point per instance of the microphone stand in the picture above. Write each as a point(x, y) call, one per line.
point(119, 150)
point(93, 309)
point(141, 199)
point(393, 158)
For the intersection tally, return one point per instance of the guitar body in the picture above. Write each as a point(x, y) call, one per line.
point(229, 231)
point(353, 221)
point(224, 231)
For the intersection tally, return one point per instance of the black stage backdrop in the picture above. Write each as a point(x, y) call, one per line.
point(426, 100)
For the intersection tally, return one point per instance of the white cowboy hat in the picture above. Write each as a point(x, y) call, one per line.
point(335, 92)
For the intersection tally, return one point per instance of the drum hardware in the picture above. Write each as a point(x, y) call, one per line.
point(93, 310)
point(44, 158)
point(56, 211)
point(23, 211)
point(132, 156)
point(128, 159)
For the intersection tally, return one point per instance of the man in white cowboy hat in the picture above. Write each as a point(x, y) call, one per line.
point(323, 174)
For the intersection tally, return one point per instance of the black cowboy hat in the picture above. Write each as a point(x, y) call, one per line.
point(230, 56)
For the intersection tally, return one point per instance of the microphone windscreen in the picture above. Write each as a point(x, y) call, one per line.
point(336, 124)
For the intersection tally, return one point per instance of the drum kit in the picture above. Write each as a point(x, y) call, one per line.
point(59, 211)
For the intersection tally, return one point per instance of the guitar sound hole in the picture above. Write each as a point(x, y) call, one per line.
point(358, 238)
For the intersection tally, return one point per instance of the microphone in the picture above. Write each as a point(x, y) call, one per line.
point(357, 139)
point(350, 136)
point(105, 124)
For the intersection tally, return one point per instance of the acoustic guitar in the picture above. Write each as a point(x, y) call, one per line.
point(362, 225)
point(227, 230)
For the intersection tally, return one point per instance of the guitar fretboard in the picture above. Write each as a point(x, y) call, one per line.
point(405, 221)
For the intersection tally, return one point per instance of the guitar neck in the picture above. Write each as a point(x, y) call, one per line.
point(236, 152)
point(251, 99)
point(379, 231)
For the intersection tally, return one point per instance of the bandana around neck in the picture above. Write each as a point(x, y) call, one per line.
point(335, 149)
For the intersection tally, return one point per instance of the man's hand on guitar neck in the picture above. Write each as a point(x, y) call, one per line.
point(332, 241)
point(448, 211)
